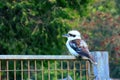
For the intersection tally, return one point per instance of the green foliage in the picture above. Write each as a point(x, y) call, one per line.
point(27, 29)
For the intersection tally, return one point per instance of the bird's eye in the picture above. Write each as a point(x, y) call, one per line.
point(72, 35)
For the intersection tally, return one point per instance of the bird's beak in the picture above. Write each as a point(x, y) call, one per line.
point(65, 35)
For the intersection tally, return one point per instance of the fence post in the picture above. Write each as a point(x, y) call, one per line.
point(101, 70)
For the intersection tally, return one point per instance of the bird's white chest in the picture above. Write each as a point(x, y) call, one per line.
point(73, 52)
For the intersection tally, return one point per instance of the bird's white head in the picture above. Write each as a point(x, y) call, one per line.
point(72, 35)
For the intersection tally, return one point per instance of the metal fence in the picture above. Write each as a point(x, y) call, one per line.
point(43, 67)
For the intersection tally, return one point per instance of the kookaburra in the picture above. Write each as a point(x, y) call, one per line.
point(77, 46)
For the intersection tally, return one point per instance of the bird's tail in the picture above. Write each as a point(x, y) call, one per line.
point(92, 60)
point(89, 56)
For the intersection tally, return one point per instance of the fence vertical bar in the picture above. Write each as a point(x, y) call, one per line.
point(14, 69)
point(55, 70)
point(89, 71)
point(28, 69)
point(7, 62)
point(68, 69)
point(21, 70)
point(0, 71)
point(48, 70)
point(42, 70)
point(87, 65)
point(74, 69)
point(62, 69)
point(80, 71)
point(35, 69)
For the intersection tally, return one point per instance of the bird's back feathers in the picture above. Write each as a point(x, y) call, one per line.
point(73, 44)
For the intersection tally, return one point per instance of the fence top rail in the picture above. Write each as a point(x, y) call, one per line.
point(38, 57)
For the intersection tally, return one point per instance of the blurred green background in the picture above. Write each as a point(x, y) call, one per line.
point(35, 27)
